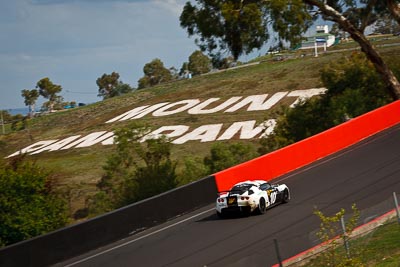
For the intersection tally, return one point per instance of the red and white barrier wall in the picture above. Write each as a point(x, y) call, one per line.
point(297, 155)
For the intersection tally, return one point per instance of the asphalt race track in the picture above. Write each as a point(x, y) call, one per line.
point(365, 174)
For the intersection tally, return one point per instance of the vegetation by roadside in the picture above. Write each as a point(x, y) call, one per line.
point(378, 248)
point(28, 204)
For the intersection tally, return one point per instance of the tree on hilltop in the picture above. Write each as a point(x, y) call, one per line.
point(238, 26)
point(30, 97)
point(386, 25)
point(199, 63)
point(394, 9)
point(107, 84)
point(49, 90)
point(154, 73)
point(110, 86)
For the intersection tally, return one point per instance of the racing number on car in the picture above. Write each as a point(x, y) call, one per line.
point(272, 196)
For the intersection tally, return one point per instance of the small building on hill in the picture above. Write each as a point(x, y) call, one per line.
point(322, 38)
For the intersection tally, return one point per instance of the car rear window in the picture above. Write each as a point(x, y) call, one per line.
point(241, 188)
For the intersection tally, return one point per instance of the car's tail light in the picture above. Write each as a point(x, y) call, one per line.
point(245, 198)
point(221, 200)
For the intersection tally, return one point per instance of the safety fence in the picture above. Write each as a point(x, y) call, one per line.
point(376, 227)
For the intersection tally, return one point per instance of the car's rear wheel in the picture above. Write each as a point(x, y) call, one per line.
point(261, 206)
point(286, 197)
point(220, 215)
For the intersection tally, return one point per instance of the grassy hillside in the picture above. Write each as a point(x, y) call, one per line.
point(78, 169)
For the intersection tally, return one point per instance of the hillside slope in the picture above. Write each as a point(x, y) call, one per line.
point(78, 169)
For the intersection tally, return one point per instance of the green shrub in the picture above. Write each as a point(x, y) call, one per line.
point(29, 207)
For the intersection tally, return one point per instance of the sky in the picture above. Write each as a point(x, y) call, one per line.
point(74, 42)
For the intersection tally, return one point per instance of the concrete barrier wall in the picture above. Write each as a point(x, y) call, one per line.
point(80, 238)
point(311, 149)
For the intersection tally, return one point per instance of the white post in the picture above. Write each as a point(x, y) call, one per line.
point(396, 206)
point(316, 48)
point(346, 241)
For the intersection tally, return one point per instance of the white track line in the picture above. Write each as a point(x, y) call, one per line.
point(137, 239)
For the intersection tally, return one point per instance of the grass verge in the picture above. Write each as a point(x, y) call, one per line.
point(380, 247)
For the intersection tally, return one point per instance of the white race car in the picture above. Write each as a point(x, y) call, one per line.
point(251, 196)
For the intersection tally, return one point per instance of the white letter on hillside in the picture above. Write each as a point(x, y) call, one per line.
point(137, 112)
point(57, 145)
point(33, 147)
point(185, 104)
point(246, 129)
point(257, 102)
point(199, 109)
point(269, 125)
point(90, 139)
point(305, 94)
point(109, 141)
point(168, 131)
point(205, 133)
